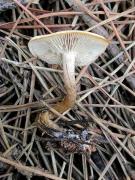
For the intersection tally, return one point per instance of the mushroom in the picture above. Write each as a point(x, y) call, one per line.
point(69, 48)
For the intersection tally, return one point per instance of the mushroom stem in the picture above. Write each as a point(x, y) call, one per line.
point(69, 82)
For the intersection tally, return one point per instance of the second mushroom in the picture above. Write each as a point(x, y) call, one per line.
point(70, 49)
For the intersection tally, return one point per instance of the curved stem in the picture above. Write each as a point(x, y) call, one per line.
point(69, 80)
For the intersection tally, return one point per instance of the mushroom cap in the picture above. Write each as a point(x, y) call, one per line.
point(85, 46)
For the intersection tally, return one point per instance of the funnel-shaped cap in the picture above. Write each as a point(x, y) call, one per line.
point(85, 46)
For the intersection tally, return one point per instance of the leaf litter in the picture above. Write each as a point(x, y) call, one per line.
point(96, 139)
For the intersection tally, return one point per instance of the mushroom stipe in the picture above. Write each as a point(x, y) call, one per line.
point(69, 48)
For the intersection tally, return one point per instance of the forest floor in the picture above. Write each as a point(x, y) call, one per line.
point(103, 117)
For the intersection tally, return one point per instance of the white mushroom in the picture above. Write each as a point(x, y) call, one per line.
point(69, 48)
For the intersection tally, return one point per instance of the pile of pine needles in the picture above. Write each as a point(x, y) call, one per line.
point(105, 105)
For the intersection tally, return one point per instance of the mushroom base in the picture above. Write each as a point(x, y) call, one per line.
point(46, 119)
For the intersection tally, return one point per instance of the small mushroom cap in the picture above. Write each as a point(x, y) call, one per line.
point(84, 46)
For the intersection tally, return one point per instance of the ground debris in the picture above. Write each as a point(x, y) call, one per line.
point(96, 138)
